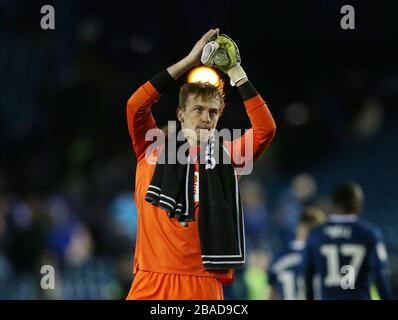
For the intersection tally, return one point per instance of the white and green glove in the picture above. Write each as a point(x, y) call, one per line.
point(223, 53)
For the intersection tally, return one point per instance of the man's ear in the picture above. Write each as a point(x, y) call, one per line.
point(180, 114)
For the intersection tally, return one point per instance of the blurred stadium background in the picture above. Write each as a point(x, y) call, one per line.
point(66, 160)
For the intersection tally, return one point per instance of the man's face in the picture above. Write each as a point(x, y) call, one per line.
point(201, 116)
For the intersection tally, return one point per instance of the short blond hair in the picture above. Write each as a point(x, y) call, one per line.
point(204, 89)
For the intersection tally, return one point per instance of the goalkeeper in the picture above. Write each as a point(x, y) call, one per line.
point(190, 235)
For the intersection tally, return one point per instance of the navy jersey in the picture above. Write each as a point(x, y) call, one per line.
point(284, 273)
point(342, 258)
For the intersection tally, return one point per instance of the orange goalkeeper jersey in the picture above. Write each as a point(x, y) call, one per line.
point(163, 245)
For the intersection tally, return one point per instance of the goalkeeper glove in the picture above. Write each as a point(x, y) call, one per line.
point(223, 53)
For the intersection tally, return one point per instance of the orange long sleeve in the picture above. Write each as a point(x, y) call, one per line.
point(260, 134)
point(139, 116)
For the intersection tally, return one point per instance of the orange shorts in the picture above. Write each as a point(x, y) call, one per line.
point(163, 286)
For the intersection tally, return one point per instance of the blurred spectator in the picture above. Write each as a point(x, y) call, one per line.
point(300, 192)
point(62, 226)
point(124, 214)
point(257, 220)
point(256, 275)
point(26, 240)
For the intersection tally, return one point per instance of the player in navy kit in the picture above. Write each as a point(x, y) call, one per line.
point(284, 272)
point(346, 255)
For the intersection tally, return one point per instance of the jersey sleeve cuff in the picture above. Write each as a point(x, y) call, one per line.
point(247, 91)
point(162, 81)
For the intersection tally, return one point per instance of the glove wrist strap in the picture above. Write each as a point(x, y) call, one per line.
point(236, 73)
